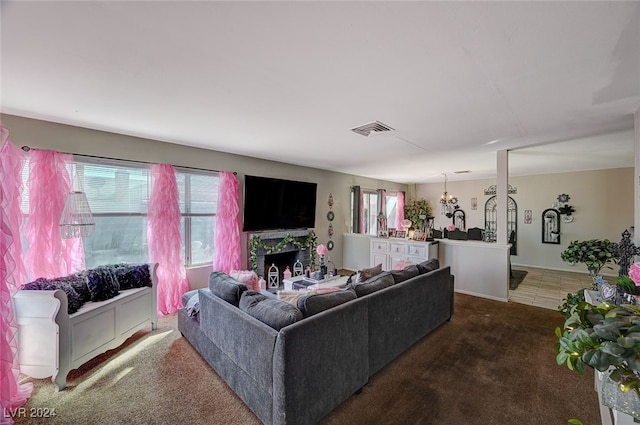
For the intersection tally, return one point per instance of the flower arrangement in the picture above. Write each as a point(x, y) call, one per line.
point(321, 250)
point(451, 227)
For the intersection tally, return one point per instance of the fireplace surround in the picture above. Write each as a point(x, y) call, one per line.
point(281, 248)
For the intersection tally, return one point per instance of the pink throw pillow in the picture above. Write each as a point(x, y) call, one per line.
point(249, 278)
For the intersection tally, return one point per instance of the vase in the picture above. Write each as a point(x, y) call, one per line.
point(612, 397)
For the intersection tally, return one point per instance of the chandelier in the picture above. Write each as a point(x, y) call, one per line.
point(76, 220)
point(448, 203)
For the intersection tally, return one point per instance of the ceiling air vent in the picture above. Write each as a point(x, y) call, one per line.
point(372, 127)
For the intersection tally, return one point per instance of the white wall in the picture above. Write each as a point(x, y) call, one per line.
point(64, 138)
point(603, 199)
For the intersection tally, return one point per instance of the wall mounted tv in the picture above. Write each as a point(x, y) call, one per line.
point(275, 204)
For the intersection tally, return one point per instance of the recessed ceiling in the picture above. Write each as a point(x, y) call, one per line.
point(288, 80)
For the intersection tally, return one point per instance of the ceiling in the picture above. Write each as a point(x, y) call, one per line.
point(286, 81)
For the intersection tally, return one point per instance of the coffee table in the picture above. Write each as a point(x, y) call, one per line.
point(327, 283)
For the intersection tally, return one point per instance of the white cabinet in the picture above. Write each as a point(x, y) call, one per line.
point(393, 253)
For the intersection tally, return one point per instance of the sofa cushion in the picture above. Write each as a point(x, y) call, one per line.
point(404, 274)
point(102, 283)
point(272, 312)
point(311, 304)
point(368, 273)
point(428, 266)
point(132, 275)
point(376, 283)
point(74, 300)
point(224, 286)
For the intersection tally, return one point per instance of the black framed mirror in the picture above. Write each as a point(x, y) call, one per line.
point(551, 226)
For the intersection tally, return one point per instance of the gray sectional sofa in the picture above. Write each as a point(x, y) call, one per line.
point(295, 364)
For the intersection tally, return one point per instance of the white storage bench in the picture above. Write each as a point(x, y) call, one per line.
point(53, 342)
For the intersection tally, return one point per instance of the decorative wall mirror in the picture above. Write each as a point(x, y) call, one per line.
point(491, 221)
point(551, 226)
point(458, 219)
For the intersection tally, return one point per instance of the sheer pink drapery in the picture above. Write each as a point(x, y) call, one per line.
point(165, 241)
point(12, 276)
point(400, 211)
point(227, 234)
point(49, 185)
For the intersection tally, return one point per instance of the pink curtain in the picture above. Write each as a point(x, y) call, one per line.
point(400, 211)
point(49, 184)
point(227, 234)
point(165, 241)
point(12, 276)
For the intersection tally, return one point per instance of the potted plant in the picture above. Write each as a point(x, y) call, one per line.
point(594, 253)
point(607, 338)
point(417, 210)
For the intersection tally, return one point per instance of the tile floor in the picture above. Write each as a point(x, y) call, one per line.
point(546, 288)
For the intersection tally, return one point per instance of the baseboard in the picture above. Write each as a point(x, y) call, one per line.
point(475, 294)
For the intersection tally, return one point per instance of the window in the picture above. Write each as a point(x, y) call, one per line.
point(118, 193)
point(370, 212)
point(198, 205)
point(392, 209)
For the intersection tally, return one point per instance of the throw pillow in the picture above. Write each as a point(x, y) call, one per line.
point(316, 303)
point(428, 266)
point(292, 297)
point(131, 275)
point(272, 312)
point(364, 274)
point(102, 283)
point(224, 286)
point(404, 274)
point(376, 283)
point(193, 305)
point(248, 277)
point(74, 300)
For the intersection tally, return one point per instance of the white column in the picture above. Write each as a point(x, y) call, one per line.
point(501, 196)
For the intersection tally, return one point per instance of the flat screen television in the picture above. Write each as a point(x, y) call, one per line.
point(276, 204)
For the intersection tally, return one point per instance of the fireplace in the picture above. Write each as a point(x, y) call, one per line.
point(270, 250)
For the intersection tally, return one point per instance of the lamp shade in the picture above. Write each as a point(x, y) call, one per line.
point(76, 220)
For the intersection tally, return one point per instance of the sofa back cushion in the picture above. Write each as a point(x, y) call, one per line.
point(376, 283)
point(224, 286)
point(428, 266)
point(404, 274)
point(316, 303)
point(273, 312)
